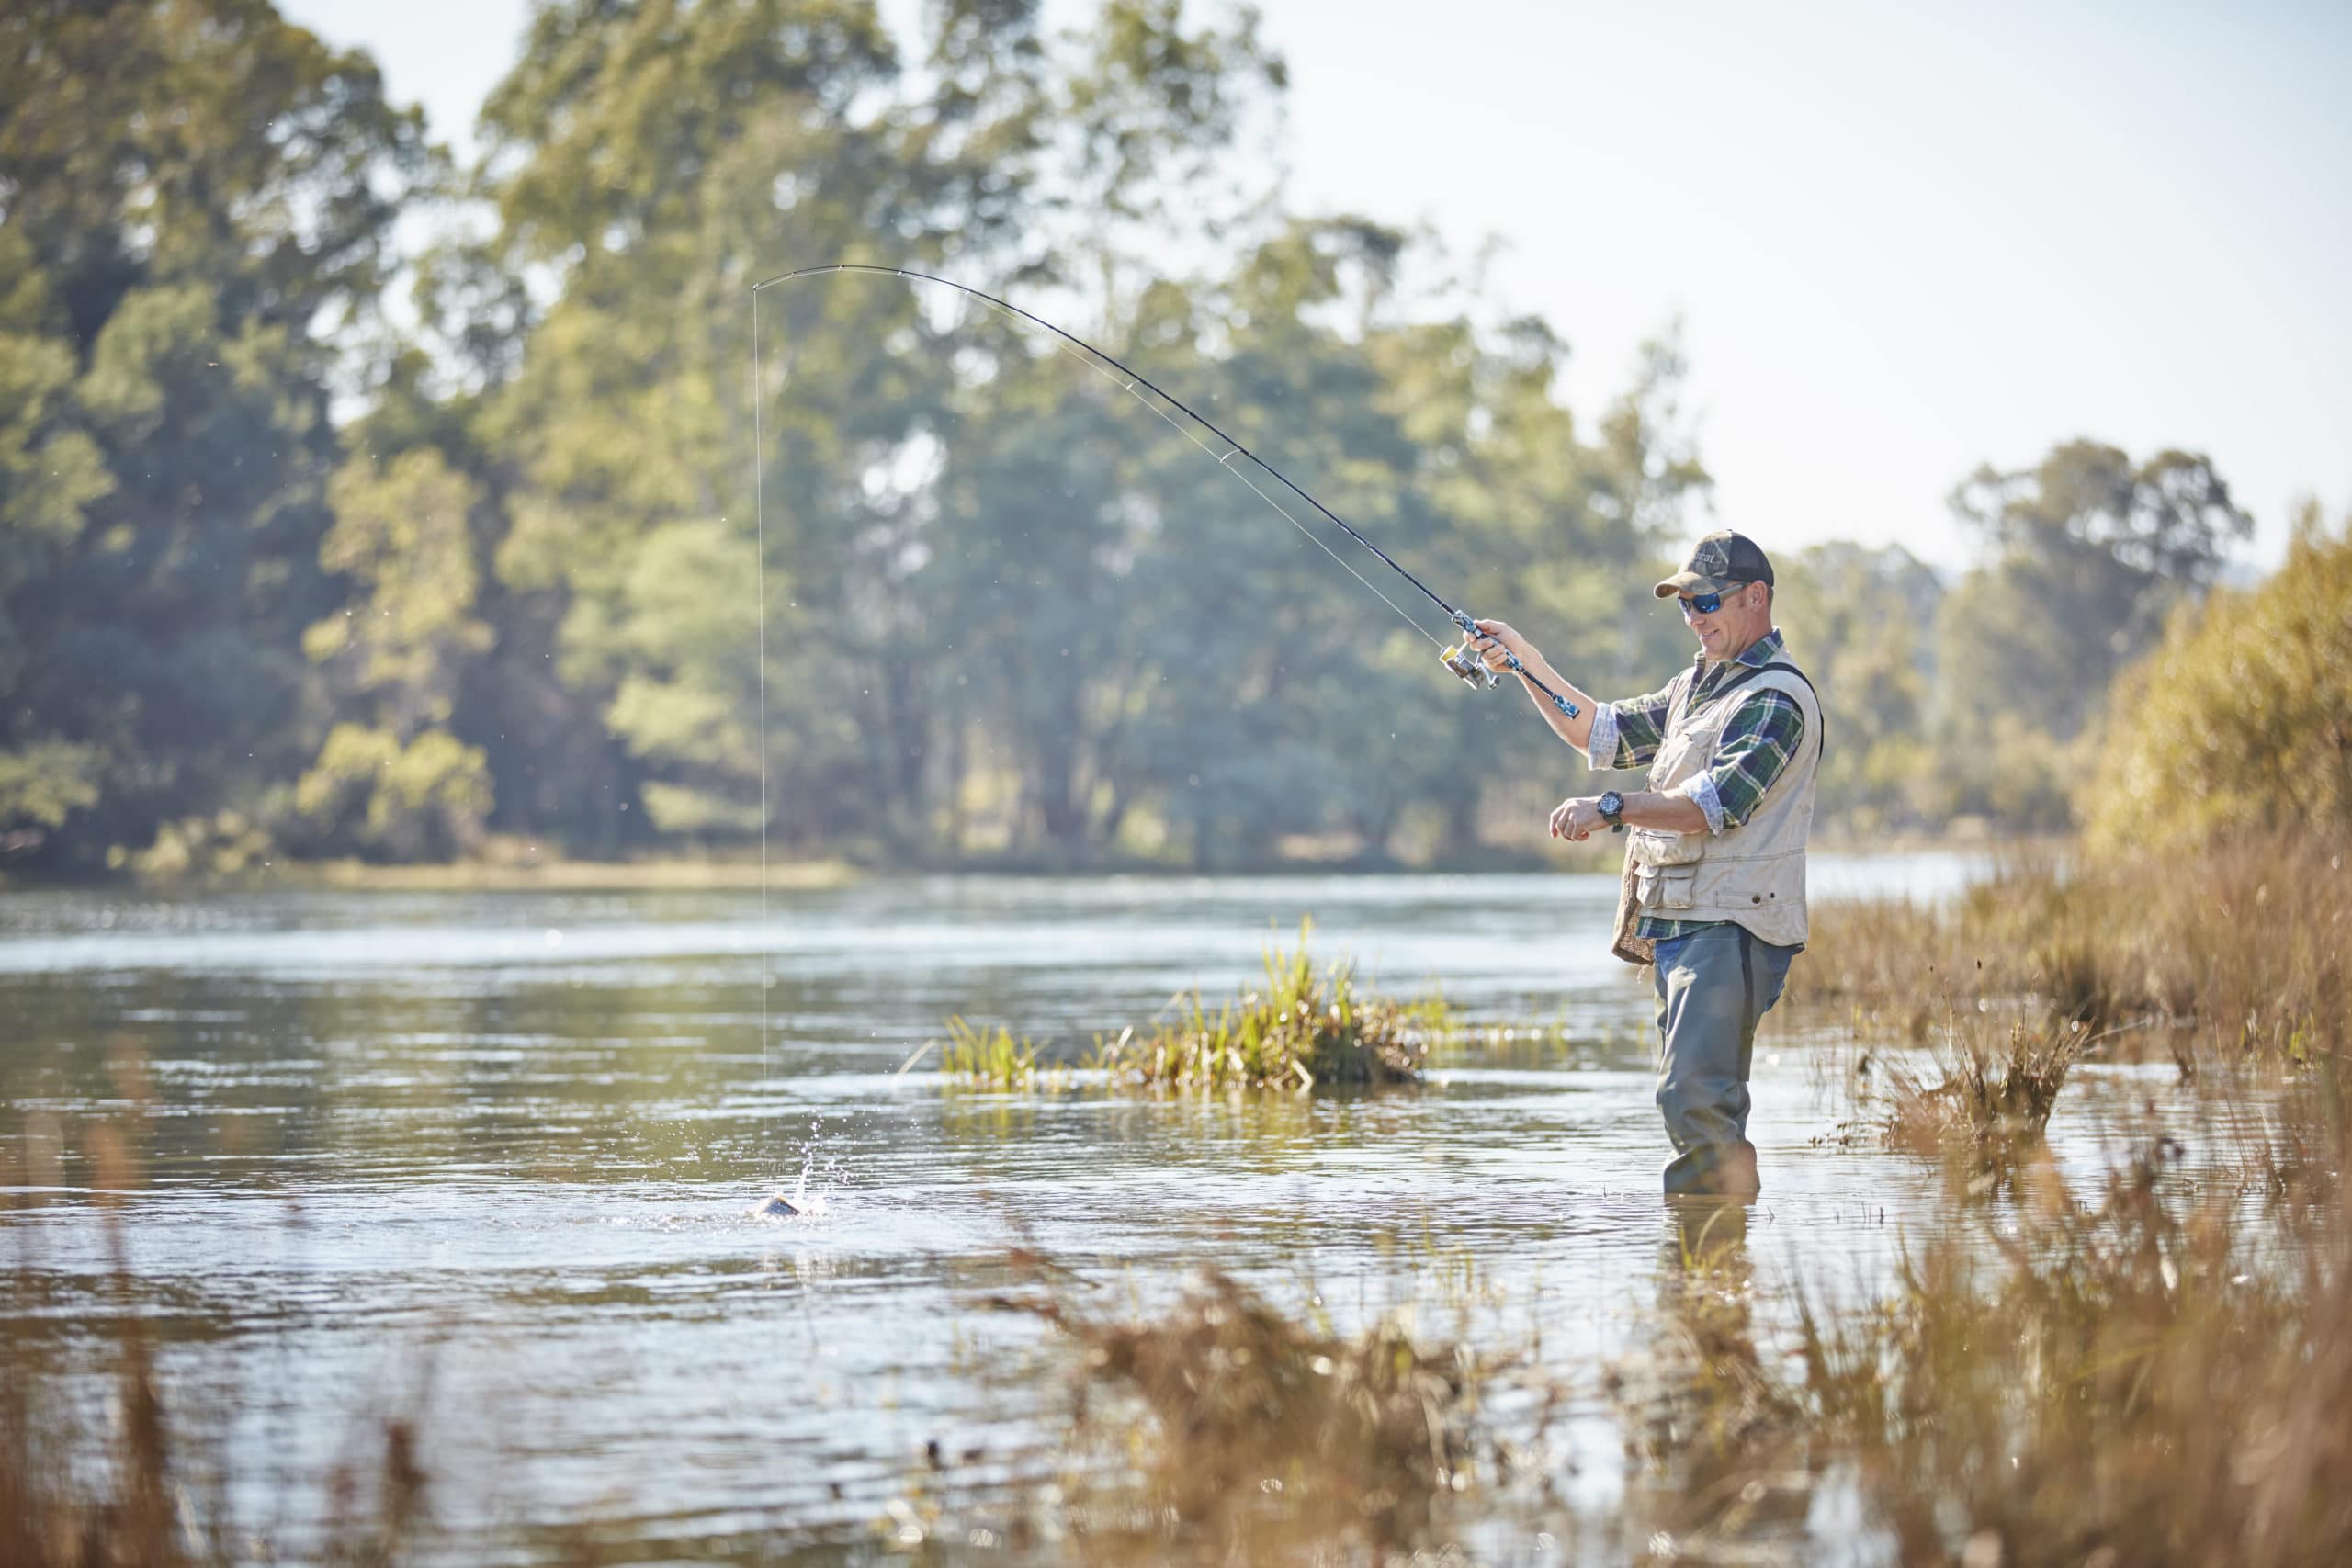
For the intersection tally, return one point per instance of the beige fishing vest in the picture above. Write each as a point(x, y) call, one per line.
point(1752, 874)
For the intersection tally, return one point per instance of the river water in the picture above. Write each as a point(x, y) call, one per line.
point(491, 1158)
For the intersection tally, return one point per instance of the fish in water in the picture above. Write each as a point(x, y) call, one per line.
point(800, 1205)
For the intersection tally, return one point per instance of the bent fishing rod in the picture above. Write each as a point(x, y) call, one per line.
point(1459, 657)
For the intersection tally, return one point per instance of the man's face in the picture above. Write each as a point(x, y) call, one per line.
point(1743, 615)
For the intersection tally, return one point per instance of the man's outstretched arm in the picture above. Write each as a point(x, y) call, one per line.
point(1576, 731)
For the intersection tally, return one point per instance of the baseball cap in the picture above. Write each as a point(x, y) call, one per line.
point(1719, 563)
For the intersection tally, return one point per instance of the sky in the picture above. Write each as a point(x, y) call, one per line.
point(1901, 239)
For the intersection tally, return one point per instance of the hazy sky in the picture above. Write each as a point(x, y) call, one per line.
point(1903, 239)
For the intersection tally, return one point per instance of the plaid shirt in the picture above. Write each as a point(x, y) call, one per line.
point(1759, 738)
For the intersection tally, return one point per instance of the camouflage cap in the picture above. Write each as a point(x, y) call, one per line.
point(1720, 562)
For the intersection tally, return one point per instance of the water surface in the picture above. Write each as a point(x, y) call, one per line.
point(491, 1156)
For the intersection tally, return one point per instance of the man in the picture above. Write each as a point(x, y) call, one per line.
point(1716, 864)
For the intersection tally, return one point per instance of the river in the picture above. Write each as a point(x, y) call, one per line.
point(491, 1157)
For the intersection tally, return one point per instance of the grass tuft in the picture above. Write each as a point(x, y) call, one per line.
point(988, 1058)
point(1303, 1028)
point(1990, 1107)
point(1258, 1428)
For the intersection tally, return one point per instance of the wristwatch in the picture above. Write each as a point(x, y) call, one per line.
point(1612, 807)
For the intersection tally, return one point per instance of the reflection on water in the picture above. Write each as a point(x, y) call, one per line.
point(515, 1142)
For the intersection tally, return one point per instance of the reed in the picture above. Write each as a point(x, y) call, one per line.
point(1303, 1028)
point(2244, 946)
point(1987, 1105)
point(2115, 1384)
point(148, 1489)
point(1222, 1428)
point(988, 1058)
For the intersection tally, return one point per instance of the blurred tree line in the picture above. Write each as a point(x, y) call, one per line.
point(288, 571)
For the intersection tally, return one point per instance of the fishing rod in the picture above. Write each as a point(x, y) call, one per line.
point(1459, 657)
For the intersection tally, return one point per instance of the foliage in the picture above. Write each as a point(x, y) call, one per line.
point(2243, 717)
point(177, 294)
point(1858, 621)
point(1302, 1030)
point(1010, 614)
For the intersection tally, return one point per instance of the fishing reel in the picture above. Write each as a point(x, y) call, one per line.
point(1466, 663)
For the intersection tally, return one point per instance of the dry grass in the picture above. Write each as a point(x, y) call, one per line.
point(148, 1492)
point(1987, 1108)
point(2161, 1375)
point(2120, 1384)
point(2244, 947)
point(1224, 1429)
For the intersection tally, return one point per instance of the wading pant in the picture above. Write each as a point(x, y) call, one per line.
point(1713, 986)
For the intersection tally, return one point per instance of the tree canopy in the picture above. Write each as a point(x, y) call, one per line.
point(284, 569)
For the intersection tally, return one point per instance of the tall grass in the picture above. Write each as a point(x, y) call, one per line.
point(1221, 1428)
point(1987, 1106)
point(2117, 1384)
point(1303, 1028)
point(2163, 1374)
point(988, 1058)
point(148, 1491)
point(2244, 946)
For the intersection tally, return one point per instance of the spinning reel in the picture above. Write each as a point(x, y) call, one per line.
point(1467, 663)
point(1470, 666)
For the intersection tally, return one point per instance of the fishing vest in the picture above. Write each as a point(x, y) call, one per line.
point(1753, 874)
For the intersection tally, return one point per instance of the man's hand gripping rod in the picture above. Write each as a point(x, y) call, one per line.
point(1476, 671)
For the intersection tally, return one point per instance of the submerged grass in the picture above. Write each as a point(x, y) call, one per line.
point(1304, 1028)
point(1222, 1428)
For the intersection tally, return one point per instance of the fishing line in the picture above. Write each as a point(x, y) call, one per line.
point(1459, 658)
point(1225, 463)
point(760, 589)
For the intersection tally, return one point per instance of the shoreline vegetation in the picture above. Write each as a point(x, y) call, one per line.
point(509, 868)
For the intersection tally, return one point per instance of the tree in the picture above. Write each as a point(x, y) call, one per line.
point(2242, 719)
point(1861, 622)
point(2089, 553)
point(173, 287)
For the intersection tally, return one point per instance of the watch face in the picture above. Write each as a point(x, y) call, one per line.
point(1611, 804)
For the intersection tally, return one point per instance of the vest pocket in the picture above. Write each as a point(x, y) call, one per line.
point(1670, 887)
point(1655, 847)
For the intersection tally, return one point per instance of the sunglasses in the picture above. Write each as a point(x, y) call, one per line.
point(1703, 604)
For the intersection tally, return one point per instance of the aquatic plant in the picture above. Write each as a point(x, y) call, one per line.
point(150, 1489)
point(988, 1058)
point(2148, 1378)
point(1227, 1424)
point(1988, 1106)
point(1303, 1028)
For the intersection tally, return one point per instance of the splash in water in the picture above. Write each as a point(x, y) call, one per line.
point(801, 1203)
